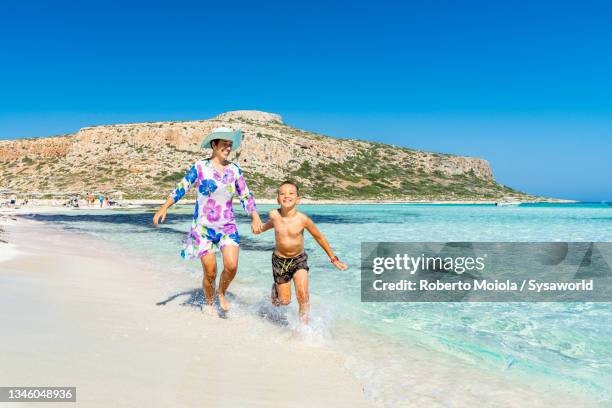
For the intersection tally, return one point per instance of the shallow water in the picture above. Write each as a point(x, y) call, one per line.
point(566, 346)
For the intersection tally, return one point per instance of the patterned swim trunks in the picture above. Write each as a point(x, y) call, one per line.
point(283, 269)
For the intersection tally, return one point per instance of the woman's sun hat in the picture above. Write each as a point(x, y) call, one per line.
point(224, 133)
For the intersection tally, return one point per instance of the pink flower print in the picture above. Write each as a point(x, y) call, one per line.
point(229, 229)
point(200, 172)
point(250, 204)
point(202, 253)
point(212, 210)
point(193, 238)
point(228, 213)
point(228, 176)
point(240, 185)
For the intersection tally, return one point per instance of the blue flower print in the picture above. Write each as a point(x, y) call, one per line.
point(207, 187)
point(214, 236)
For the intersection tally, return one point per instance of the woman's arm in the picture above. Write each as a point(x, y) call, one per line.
point(182, 187)
point(322, 241)
point(255, 222)
point(160, 215)
point(247, 200)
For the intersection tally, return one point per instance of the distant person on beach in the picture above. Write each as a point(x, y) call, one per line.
point(289, 260)
point(101, 199)
point(13, 200)
point(72, 202)
point(214, 226)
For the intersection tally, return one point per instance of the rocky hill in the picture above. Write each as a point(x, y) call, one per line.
point(145, 160)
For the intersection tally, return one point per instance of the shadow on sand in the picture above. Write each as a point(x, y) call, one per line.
point(195, 298)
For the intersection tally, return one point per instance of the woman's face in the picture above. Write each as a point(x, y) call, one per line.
point(222, 149)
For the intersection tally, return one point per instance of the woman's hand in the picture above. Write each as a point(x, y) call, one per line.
point(256, 223)
point(160, 216)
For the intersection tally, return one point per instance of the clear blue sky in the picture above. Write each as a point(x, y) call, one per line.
point(524, 84)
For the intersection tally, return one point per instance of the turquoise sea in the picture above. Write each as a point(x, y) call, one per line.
point(552, 347)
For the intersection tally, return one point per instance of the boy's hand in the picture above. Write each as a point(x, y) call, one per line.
point(338, 264)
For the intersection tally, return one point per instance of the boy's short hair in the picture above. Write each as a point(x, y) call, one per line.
point(297, 189)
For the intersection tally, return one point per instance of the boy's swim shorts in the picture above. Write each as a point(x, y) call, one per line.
point(283, 269)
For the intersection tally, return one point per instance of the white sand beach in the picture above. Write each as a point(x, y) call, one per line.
point(77, 312)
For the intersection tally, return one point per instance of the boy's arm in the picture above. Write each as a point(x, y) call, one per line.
point(269, 224)
point(318, 236)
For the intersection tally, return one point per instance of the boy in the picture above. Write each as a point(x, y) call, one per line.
point(289, 261)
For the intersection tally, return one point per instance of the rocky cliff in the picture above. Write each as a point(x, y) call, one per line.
point(145, 160)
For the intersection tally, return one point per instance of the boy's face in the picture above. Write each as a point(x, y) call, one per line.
point(287, 196)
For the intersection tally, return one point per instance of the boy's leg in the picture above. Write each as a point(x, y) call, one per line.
point(300, 280)
point(281, 293)
point(209, 265)
point(274, 295)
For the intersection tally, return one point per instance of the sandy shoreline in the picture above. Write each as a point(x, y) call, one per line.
point(51, 203)
point(78, 313)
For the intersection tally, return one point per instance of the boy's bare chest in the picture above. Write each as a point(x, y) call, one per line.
point(290, 228)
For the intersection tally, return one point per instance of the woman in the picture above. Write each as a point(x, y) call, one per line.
point(214, 227)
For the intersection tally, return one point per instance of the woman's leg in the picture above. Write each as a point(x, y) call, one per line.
point(230, 266)
point(209, 266)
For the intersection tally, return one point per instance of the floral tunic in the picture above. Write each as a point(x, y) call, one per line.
point(213, 225)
